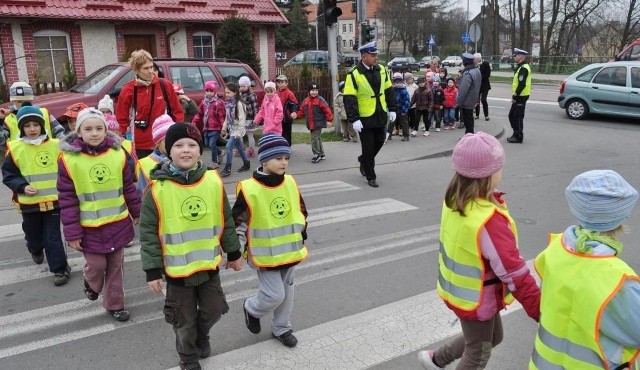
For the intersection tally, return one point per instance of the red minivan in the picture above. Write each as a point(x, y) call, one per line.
point(630, 52)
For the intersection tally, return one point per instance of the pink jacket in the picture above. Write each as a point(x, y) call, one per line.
point(271, 114)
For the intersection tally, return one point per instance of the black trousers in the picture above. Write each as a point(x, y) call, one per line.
point(286, 130)
point(412, 119)
point(42, 230)
point(485, 104)
point(516, 117)
point(467, 118)
point(371, 141)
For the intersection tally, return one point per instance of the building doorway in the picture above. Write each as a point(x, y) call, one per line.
point(136, 42)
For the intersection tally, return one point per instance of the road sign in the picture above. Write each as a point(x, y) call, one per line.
point(475, 32)
point(466, 37)
point(432, 40)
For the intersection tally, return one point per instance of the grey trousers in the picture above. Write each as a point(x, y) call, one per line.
point(275, 295)
point(316, 143)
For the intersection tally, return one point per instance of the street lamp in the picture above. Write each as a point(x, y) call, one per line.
point(315, 24)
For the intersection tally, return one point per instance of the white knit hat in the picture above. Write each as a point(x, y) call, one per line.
point(106, 103)
point(87, 113)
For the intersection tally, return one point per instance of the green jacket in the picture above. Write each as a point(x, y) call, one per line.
point(151, 249)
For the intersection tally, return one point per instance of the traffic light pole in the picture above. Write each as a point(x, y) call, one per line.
point(361, 17)
point(332, 36)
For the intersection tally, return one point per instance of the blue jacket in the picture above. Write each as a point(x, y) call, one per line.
point(402, 97)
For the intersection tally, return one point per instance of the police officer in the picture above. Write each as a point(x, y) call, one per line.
point(368, 100)
point(521, 88)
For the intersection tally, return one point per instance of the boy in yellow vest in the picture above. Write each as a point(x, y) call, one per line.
point(590, 297)
point(185, 220)
point(270, 217)
point(30, 171)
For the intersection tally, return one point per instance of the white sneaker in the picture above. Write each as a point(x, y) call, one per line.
point(426, 133)
point(414, 133)
point(425, 358)
point(437, 129)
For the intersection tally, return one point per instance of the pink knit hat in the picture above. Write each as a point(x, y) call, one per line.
point(478, 155)
point(160, 127)
point(211, 85)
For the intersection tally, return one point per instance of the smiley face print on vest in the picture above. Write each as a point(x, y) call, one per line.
point(280, 208)
point(193, 208)
point(43, 159)
point(100, 173)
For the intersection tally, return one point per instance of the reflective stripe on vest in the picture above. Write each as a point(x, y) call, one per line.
point(144, 167)
point(364, 92)
point(461, 269)
point(514, 84)
point(190, 223)
point(11, 121)
point(38, 164)
point(571, 307)
point(274, 232)
point(98, 183)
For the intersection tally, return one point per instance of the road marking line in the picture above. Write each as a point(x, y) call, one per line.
point(528, 101)
point(316, 188)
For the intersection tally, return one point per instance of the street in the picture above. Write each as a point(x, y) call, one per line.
point(365, 297)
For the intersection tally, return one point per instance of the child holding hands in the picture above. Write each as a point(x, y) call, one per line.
point(318, 116)
point(210, 116)
point(234, 127)
point(270, 113)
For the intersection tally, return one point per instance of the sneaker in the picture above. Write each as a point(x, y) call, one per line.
point(253, 323)
point(38, 258)
point(405, 139)
point(91, 295)
point(204, 347)
point(246, 166)
point(426, 133)
point(315, 159)
point(414, 133)
point(345, 139)
point(486, 118)
point(190, 365)
point(425, 358)
point(476, 117)
point(288, 339)
point(61, 278)
point(120, 315)
point(394, 133)
point(437, 129)
point(322, 157)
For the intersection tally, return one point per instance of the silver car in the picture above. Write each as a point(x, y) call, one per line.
point(603, 88)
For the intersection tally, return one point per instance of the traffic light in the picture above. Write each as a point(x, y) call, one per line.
point(369, 33)
point(354, 6)
point(331, 12)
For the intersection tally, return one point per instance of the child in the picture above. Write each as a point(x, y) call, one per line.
point(318, 115)
point(438, 104)
point(250, 101)
point(210, 116)
point(177, 244)
point(450, 97)
point(105, 105)
point(430, 76)
point(348, 133)
point(234, 127)
point(30, 171)
point(479, 256)
point(289, 105)
point(71, 114)
point(404, 102)
point(254, 220)
point(158, 155)
point(590, 296)
point(98, 206)
point(270, 113)
point(189, 107)
point(411, 89)
point(423, 99)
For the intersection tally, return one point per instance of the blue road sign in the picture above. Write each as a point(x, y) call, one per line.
point(466, 38)
point(432, 40)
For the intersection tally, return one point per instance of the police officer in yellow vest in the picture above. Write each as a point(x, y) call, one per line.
point(520, 91)
point(31, 172)
point(369, 100)
point(590, 306)
point(185, 224)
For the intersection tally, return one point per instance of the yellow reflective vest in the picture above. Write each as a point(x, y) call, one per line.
point(274, 232)
point(190, 224)
point(461, 269)
point(98, 182)
point(514, 85)
point(575, 291)
point(11, 121)
point(144, 167)
point(356, 84)
point(127, 145)
point(38, 164)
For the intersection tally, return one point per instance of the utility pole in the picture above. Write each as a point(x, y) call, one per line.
point(361, 17)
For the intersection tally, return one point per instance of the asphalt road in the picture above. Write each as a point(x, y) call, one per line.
point(365, 297)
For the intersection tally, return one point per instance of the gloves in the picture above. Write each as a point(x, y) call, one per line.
point(392, 116)
point(357, 126)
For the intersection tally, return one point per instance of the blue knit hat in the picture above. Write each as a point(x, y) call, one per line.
point(30, 113)
point(271, 146)
point(600, 199)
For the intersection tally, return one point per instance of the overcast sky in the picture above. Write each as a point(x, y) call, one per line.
point(474, 6)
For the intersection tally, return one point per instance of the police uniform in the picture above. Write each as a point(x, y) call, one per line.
point(520, 91)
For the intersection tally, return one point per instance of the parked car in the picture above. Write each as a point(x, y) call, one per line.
point(190, 73)
point(316, 58)
point(403, 64)
point(630, 52)
point(452, 61)
point(602, 88)
point(424, 62)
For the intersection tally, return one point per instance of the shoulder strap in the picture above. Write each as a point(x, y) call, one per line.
point(166, 98)
point(353, 80)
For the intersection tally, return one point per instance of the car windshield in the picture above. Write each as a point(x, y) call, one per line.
point(98, 79)
point(233, 73)
point(399, 59)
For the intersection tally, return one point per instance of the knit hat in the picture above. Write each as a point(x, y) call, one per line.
point(177, 88)
point(112, 123)
point(73, 110)
point(244, 81)
point(313, 86)
point(106, 103)
point(179, 131)
point(30, 113)
point(20, 91)
point(421, 80)
point(478, 155)
point(270, 85)
point(600, 199)
point(160, 127)
point(397, 76)
point(271, 146)
point(211, 85)
point(87, 113)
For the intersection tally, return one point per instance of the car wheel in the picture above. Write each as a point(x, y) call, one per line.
point(577, 109)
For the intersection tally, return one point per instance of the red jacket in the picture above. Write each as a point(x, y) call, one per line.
point(317, 112)
point(450, 94)
point(289, 103)
point(142, 137)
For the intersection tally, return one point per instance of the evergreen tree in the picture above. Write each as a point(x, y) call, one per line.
point(235, 41)
point(295, 35)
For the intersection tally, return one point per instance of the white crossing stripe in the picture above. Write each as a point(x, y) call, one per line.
point(11, 232)
point(541, 102)
point(316, 188)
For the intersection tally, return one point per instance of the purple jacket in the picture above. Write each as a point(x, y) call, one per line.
point(107, 238)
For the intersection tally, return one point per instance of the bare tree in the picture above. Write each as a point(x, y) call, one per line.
point(630, 31)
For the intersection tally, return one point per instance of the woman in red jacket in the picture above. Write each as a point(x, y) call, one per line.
point(143, 100)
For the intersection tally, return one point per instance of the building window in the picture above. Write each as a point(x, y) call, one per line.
point(350, 27)
point(203, 45)
point(351, 42)
point(344, 28)
point(52, 52)
point(344, 43)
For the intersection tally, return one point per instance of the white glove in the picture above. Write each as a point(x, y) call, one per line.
point(392, 116)
point(357, 126)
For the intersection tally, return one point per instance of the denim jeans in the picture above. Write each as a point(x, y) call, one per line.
point(235, 142)
point(210, 140)
point(449, 116)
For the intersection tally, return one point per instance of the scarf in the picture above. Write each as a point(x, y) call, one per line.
point(36, 141)
point(175, 171)
point(584, 236)
point(207, 102)
point(230, 105)
point(142, 82)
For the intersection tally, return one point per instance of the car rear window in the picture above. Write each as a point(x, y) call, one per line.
point(233, 74)
point(587, 75)
point(99, 79)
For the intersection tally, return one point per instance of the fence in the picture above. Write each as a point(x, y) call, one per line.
point(301, 76)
